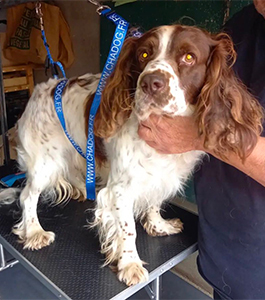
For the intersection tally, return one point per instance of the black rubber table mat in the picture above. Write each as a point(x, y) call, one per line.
point(73, 262)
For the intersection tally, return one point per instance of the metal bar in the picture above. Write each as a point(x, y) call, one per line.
point(4, 126)
point(149, 291)
point(4, 264)
point(156, 287)
point(155, 273)
point(2, 255)
point(34, 271)
point(9, 265)
point(154, 290)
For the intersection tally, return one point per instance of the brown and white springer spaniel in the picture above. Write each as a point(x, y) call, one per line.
point(171, 70)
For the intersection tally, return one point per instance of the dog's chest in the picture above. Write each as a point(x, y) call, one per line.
point(134, 162)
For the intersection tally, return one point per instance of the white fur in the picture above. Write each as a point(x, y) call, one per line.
point(140, 179)
point(177, 105)
point(53, 166)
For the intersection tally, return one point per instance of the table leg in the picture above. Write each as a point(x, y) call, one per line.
point(154, 290)
point(3, 264)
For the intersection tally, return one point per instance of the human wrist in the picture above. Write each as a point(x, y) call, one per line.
point(198, 144)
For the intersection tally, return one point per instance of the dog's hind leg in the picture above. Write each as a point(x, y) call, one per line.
point(155, 225)
point(29, 230)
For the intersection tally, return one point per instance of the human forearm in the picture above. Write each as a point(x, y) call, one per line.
point(254, 165)
point(178, 135)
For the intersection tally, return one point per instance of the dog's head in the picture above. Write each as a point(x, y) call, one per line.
point(172, 63)
point(180, 70)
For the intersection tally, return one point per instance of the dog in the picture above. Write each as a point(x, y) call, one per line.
point(171, 70)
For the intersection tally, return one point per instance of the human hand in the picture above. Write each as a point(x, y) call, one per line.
point(170, 135)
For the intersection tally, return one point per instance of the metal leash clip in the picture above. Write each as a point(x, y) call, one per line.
point(38, 9)
point(99, 5)
point(39, 14)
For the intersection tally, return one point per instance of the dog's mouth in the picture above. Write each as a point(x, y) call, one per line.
point(145, 105)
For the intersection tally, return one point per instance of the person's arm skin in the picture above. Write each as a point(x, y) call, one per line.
point(179, 135)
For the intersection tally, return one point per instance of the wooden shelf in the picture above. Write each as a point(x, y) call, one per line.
point(16, 88)
point(17, 78)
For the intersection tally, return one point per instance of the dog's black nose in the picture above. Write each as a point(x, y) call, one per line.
point(152, 83)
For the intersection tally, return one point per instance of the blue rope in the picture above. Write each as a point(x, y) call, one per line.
point(51, 62)
point(117, 42)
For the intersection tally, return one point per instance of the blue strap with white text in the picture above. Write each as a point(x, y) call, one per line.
point(59, 110)
point(117, 42)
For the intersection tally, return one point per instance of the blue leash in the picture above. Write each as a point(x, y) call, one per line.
point(59, 110)
point(117, 42)
point(116, 45)
point(11, 179)
point(49, 61)
point(89, 156)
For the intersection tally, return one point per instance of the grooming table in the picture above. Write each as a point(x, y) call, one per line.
point(71, 266)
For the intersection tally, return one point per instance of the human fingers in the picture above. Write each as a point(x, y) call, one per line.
point(145, 133)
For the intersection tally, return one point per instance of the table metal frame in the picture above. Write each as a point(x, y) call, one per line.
point(152, 286)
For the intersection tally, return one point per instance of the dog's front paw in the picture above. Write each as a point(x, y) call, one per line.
point(133, 273)
point(39, 240)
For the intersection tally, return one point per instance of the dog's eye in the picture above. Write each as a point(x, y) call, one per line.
point(143, 56)
point(189, 58)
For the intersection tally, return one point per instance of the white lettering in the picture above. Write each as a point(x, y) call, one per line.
point(117, 43)
point(119, 35)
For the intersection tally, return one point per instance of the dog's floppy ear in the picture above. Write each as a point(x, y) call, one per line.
point(117, 97)
point(229, 117)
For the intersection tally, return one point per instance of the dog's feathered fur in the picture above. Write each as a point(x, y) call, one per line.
point(163, 81)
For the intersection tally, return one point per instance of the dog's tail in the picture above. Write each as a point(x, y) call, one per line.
point(8, 196)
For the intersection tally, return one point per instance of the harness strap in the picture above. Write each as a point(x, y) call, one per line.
point(117, 42)
point(59, 110)
point(116, 45)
